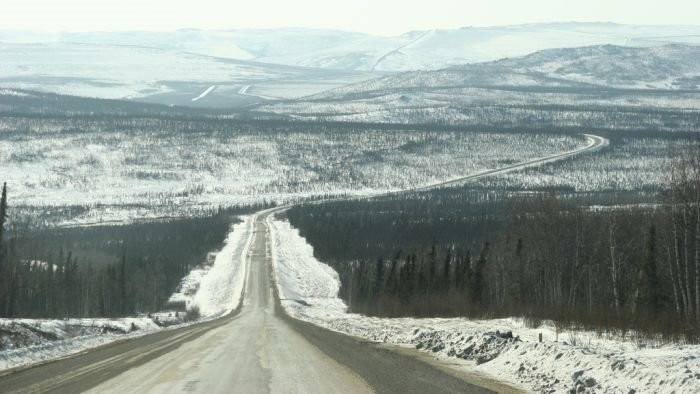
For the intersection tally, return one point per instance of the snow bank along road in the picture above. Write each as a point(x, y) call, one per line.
point(256, 348)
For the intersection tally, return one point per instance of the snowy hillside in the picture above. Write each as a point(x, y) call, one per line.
point(666, 67)
point(163, 76)
point(432, 49)
point(545, 85)
point(142, 170)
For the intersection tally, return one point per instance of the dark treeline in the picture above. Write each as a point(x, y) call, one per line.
point(543, 256)
point(484, 119)
point(102, 271)
point(43, 104)
point(37, 112)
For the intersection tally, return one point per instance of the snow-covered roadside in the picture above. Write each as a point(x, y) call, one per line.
point(30, 341)
point(221, 288)
point(214, 289)
point(504, 349)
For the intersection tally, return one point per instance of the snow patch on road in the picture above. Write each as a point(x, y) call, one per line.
point(205, 93)
point(505, 349)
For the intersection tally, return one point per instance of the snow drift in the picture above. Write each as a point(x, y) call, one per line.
point(219, 288)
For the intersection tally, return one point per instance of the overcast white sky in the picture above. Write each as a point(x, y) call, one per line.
point(385, 17)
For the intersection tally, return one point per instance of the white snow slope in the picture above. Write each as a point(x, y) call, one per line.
point(220, 290)
point(578, 360)
point(215, 287)
point(162, 76)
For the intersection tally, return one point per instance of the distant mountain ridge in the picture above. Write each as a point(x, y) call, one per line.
point(415, 50)
point(560, 88)
point(163, 76)
point(668, 67)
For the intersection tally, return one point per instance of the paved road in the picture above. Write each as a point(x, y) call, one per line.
point(593, 142)
point(257, 348)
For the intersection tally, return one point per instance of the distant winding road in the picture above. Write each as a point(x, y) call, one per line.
point(257, 348)
point(205, 93)
point(398, 50)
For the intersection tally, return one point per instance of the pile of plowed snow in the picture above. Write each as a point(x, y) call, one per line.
point(28, 341)
point(216, 288)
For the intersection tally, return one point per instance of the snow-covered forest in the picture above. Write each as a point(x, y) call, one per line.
point(111, 167)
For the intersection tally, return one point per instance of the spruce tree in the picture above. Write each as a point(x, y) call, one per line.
point(379, 280)
point(649, 285)
point(478, 275)
point(446, 271)
point(521, 271)
point(122, 287)
point(432, 264)
point(3, 216)
point(3, 274)
point(391, 279)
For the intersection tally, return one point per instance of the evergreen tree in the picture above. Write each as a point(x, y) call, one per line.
point(520, 293)
point(391, 278)
point(3, 216)
point(477, 282)
point(446, 268)
point(4, 272)
point(123, 308)
point(649, 283)
point(432, 267)
point(378, 280)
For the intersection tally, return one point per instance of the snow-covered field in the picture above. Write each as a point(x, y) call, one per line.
point(627, 164)
point(505, 349)
point(164, 76)
point(141, 174)
point(377, 106)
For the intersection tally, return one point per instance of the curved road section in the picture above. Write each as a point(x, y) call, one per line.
point(257, 348)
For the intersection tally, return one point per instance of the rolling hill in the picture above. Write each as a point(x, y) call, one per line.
point(161, 76)
point(426, 50)
point(571, 87)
